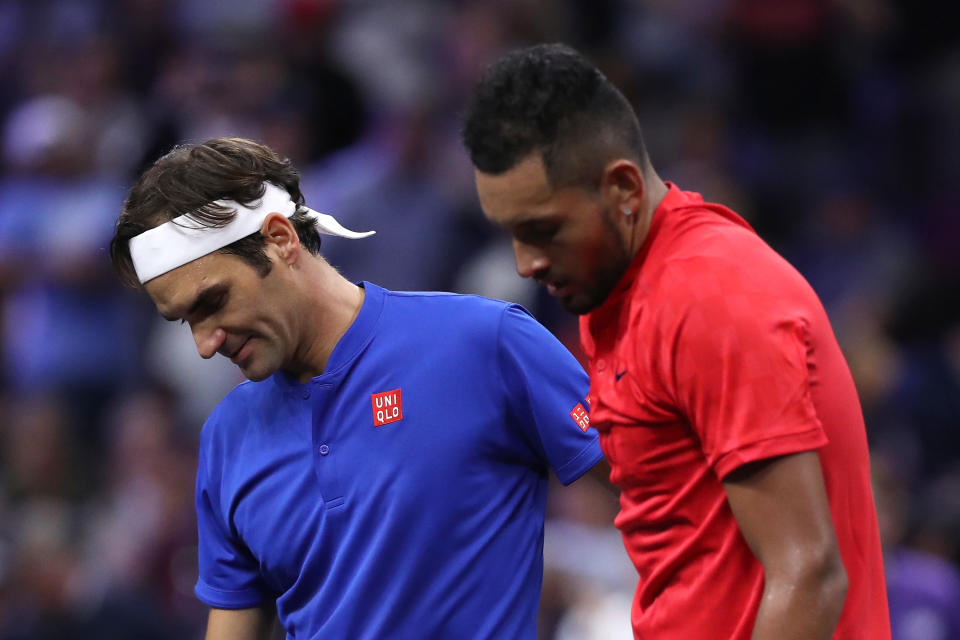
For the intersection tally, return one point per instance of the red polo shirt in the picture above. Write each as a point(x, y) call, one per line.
point(710, 353)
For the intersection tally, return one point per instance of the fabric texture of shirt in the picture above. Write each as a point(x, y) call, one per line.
point(401, 494)
point(710, 353)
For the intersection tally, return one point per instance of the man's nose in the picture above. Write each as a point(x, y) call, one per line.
point(530, 260)
point(208, 340)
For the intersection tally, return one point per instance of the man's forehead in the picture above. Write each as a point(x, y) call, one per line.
point(515, 191)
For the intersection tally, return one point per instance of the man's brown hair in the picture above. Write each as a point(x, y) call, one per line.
point(190, 178)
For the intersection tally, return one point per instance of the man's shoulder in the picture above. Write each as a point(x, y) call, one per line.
point(239, 404)
point(246, 392)
point(723, 282)
point(703, 234)
point(437, 308)
point(722, 259)
point(470, 324)
point(447, 300)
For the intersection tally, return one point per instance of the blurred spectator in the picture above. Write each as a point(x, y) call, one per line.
point(391, 182)
point(139, 558)
point(923, 588)
point(42, 477)
point(588, 579)
point(65, 323)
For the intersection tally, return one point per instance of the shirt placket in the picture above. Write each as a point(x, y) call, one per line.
point(327, 459)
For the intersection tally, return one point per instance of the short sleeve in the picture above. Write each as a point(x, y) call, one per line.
point(546, 388)
point(229, 578)
point(742, 362)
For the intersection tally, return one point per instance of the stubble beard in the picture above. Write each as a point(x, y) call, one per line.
point(611, 263)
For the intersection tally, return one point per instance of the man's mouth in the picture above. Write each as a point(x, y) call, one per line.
point(557, 289)
point(235, 356)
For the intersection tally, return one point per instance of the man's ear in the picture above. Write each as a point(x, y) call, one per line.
point(622, 186)
point(281, 238)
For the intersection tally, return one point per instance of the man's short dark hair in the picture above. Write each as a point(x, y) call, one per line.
point(549, 98)
point(189, 178)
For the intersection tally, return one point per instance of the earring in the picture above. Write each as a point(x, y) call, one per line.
point(627, 211)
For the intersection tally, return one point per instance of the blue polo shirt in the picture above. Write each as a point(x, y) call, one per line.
point(401, 494)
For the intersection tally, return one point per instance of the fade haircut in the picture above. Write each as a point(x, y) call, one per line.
point(550, 98)
point(190, 178)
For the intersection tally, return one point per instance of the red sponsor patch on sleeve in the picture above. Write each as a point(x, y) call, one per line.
point(580, 416)
point(387, 407)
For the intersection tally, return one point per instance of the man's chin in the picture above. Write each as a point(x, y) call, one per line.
point(586, 297)
point(256, 374)
point(578, 304)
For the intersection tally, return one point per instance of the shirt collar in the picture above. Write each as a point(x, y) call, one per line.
point(671, 200)
point(356, 338)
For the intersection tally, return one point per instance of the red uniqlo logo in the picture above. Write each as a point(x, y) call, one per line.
point(387, 407)
point(580, 416)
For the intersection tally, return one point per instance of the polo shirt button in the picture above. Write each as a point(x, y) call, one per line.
point(306, 394)
point(601, 365)
point(324, 449)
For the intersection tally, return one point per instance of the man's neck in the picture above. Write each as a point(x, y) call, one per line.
point(329, 308)
point(654, 193)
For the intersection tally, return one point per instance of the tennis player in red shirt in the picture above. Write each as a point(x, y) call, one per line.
point(724, 405)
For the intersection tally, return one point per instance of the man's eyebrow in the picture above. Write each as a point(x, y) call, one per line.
point(525, 220)
point(204, 298)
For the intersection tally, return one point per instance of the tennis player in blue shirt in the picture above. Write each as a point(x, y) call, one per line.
point(383, 472)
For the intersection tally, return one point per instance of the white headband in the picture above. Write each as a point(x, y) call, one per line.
point(181, 240)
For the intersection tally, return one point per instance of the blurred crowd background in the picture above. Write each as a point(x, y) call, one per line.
point(831, 125)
